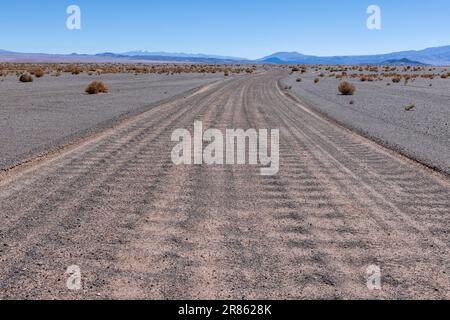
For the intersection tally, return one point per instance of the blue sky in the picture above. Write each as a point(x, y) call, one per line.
point(245, 28)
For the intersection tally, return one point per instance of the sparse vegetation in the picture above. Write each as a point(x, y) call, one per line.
point(96, 87)
point(114, 68)
point(39, 73)
point(316, 80)
point(346, 88)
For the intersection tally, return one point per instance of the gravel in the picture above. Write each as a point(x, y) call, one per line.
point(378, 112)
point(52, 111)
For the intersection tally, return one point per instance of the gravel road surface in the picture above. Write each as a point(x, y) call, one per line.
point(140, 227)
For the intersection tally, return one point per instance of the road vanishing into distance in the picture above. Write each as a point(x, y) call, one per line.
point(140, 227)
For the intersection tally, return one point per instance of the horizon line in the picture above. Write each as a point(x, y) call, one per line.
point(222, 55)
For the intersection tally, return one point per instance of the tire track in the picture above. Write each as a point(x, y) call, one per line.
point(141, 227)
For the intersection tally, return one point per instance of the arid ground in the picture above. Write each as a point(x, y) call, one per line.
point(138, 226)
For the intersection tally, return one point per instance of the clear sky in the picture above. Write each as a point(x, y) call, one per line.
point(244, 28)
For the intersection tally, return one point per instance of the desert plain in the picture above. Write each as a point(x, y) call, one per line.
point(88, 181)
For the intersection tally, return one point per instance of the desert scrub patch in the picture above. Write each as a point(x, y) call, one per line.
point(346, 88)
point(39, 73)
point(26, 77)
point(96, 87)
point(316, 80)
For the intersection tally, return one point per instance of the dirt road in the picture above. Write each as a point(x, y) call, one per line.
point(140, 227)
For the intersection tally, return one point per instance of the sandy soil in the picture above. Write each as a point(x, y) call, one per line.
point(140, 227)
point(52, 111)
point(378, 112)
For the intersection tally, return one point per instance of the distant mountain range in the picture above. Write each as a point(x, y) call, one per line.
point(431, 56)
point(180, 55)
point(403, 62)
point(143, 56)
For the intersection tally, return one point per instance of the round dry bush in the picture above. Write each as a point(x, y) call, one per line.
point(26, 77)
point(39, 73)
point(346, 88)
point(96, 87)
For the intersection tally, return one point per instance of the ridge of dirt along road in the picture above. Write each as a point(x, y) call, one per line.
point(138, 226)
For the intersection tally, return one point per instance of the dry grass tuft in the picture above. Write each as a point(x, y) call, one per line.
point(346, 88)
point(96, 87)
point(39, 73)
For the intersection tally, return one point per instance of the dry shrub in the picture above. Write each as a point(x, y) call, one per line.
point(39, 73)
point(299, 80)
point(96, 87)
point(26, 77)
point(346, 88)
point(316, 80)
point(75, 70)
point(396, 80)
